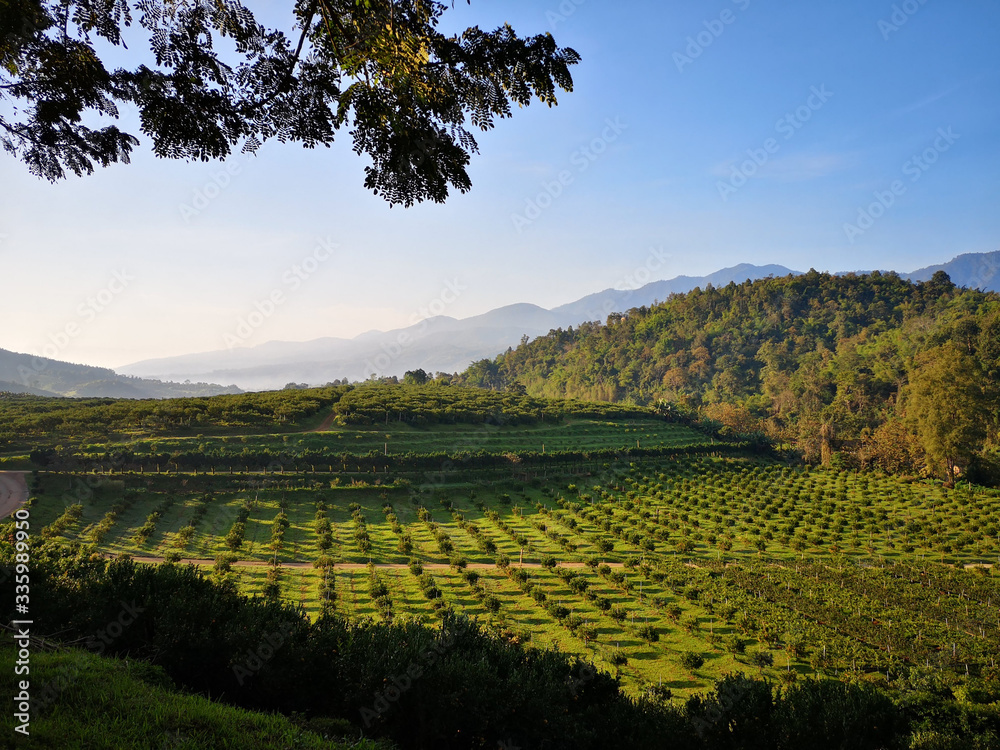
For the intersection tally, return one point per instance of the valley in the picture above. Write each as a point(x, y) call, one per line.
point(627, 541)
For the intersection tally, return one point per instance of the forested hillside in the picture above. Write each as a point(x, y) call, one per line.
point(872, 370)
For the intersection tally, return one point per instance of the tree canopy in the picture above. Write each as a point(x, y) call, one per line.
point(211, 78)
point(947, 405)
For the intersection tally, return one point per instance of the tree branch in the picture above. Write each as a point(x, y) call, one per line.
point(295, 59)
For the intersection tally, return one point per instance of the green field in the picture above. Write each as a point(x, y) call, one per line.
point(755, 565)
point(638, 550)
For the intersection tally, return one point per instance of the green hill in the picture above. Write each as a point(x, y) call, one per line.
point(886, 372)
point(82, 700)
point(25, 373)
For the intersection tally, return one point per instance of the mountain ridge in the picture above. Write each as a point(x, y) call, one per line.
point(445, 344)
point(436, 344)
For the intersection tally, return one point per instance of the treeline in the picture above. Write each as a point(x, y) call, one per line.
point(436, 403)
point(23, 417)
point(458, 685)
point(323, 461)
point(28, 421)
point(870, 370)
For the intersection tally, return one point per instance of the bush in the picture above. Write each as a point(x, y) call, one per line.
point(648, 633)
point(224, 562)
point(558, 611)
point(761, 659)
point(691, 661)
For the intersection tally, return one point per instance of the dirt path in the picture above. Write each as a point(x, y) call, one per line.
point(13, 492)
point(363, 566)
point(326, 424)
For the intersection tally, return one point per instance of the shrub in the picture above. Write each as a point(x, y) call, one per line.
point(691, 661)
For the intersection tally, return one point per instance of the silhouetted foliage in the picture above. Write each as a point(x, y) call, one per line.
point(215, 79)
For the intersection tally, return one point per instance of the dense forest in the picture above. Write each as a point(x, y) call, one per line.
point(862, 370)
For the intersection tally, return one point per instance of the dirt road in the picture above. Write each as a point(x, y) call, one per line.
point(13, 492)
point(326, 424)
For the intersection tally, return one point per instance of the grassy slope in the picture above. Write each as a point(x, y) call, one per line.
point(108, 703)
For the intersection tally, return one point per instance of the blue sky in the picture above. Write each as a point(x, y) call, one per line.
point(700, 135)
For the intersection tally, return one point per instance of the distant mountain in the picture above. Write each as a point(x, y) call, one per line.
point(598, 306)
point(444, 344)
point(24, 373)
point(440, 344)
point(972, 270)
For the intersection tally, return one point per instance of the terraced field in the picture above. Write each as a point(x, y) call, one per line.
point(745, 563)
point(393, 436)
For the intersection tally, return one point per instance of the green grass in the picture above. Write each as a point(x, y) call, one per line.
point(113, 704)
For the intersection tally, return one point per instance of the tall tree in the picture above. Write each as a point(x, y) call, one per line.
point(947, 405)
point(380, 68)
point(415, 377)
